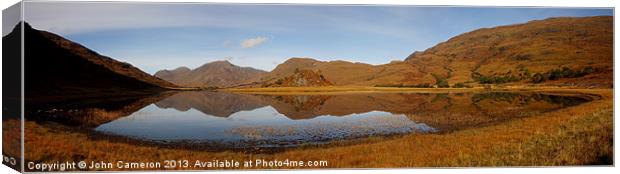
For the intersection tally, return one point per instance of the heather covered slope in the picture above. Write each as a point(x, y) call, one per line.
point(574, 52)
point(55, 66)
point(555, 51)
point(343, 73)
point(214, 74)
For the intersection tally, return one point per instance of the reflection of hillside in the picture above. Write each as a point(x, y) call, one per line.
point(211, 103)
point(92, 114)
point(456, 111)
point(446, 111)
point(310, 106)
point(440, 110)
point(295, 106)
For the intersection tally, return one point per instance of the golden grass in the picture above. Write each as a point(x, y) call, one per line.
point(578, 135)
point(341, 89)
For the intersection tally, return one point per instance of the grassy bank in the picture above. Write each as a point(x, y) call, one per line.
point(577, 135)
point(326, 89)
point(341, 89)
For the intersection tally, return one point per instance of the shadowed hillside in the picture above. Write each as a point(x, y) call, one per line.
point(57, 67)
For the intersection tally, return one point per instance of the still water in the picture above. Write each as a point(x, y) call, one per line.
point(257, 120)
point(260, 127)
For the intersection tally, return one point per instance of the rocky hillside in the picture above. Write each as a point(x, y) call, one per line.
point(214, 74)
point(555, 51)
point(342, 73)
point(301, 78)
point(55, 66)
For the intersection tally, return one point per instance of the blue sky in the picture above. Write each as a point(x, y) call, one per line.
point(155, 36)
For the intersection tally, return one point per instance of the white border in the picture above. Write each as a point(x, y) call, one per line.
point(555, 3)
point(522, 3)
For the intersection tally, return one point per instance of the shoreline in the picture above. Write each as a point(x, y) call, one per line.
point(364, 89)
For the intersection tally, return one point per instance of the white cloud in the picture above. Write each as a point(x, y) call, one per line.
point(249, 43)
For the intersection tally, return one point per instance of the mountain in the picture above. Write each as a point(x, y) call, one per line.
point(214, 74)
point(55, 66)
point(173, 75)
point(572, 51)
point(341, 73)
point(566, 51)
point(563, 51)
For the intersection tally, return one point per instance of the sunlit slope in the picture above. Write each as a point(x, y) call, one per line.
point(563, 51)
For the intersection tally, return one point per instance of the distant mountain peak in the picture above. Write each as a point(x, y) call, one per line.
point(221, 62)
point(217, 64)
point(219, 73)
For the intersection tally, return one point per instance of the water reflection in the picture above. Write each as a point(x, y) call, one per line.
point(262, 127)
point(253, 120)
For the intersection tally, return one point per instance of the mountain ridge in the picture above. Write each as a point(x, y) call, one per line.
point(220, 73)
point(60, 67)
point(560, 51)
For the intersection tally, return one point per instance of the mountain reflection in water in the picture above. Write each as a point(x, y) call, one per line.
point(257, 120)
point(259, 127)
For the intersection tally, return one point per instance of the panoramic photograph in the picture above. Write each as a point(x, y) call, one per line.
point(112, 86)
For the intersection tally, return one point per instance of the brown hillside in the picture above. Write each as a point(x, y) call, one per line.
point(174, 75)
point(555, 51)
point(214, 74)
point(341, 73)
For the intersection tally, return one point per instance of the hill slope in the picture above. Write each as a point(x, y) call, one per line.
point(218, 73)
point(341, 73)
point(554, 51)
point(301, 78)
point(55, 66)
